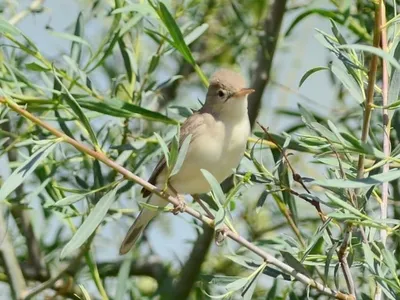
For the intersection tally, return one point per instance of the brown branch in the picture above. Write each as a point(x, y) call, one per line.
point(130, 176)
point(191, 269)
point(386, 128)
point(268, 42)
point(152, 267)
point(369, 101)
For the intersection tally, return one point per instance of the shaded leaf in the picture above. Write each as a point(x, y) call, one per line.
point(23, 171)
point(90, 224)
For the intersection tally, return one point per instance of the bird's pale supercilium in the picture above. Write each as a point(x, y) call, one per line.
point(219, 133)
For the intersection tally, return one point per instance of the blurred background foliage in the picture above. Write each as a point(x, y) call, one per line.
point(111, 73)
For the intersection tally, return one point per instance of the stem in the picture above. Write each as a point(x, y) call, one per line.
point(369, 101)
point(386, 130)
point(130, 176)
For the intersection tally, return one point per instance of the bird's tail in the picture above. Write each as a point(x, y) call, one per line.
point(135, 231)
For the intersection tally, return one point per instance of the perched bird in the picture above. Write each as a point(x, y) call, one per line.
point(219, 133)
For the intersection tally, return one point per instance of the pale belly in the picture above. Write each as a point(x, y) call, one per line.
point(219, 154)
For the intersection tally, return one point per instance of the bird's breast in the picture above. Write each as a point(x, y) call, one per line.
point(217, 150)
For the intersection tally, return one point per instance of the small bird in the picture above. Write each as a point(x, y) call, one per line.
point(219, 132)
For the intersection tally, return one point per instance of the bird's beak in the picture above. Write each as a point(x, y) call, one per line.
point(243, 92)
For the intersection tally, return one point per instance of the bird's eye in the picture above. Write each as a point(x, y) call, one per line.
point(221, 93)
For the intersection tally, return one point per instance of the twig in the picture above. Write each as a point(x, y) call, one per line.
point(191, 269)
point(342, 253)
point(386, 129)
point(268, 42)
point(369, 101)
point(10, 260)
point(296, 176)
point(72, 266)
point(130, 176)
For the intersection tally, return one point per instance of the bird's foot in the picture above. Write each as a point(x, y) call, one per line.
point(180, 207)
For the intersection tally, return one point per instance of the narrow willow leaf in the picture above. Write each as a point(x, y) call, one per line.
point(345, 205)
point(215, 187)
point(329, 255)
point(237, 285)
point(321, 12)
point(118, 108)
point(219, 218)
point(175, 33)
point(348, 81)
point(34, 66)
point(76, 48)
point(163, 146)
point(309, 73)
point(376, 51)
point(71, 199)
point(181, 155)
point(74, 105)
point(250, 287)
point(294, 263)
point(23, 171)
point(90, 224)
point(72, 38)
point(360, 183)
point(122, 280)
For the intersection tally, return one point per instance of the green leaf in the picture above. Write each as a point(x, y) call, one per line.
point(72, 38)
point(294, 263)
point(348, 81)
point(322, 12)
point(175, 33)
point(219, 218)
point(309, 73)
point(181, 155)
point(236, 285)
point(345, 205)
point(376, 51)
point(118, 108)
point(73, 104)
point(163, 146)
point(123, 279)
point(91, 223)
point(329, 255)
point(24, 170)
point(249, 289)
point(215, 187)
point(33, 66)
point(359, 183)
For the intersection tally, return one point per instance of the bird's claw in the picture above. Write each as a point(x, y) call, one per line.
point(220, 236)
point(180, 207)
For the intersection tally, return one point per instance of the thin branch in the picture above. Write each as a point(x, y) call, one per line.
point(152, 267)
point(342, 253)
point(130, 176)
point(369, 101)
point(72, 266)
point(190, 272)
point(386, 129)
point(272, 26)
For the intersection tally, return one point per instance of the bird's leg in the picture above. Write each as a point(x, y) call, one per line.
point(196, 198)
point(182, 204)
